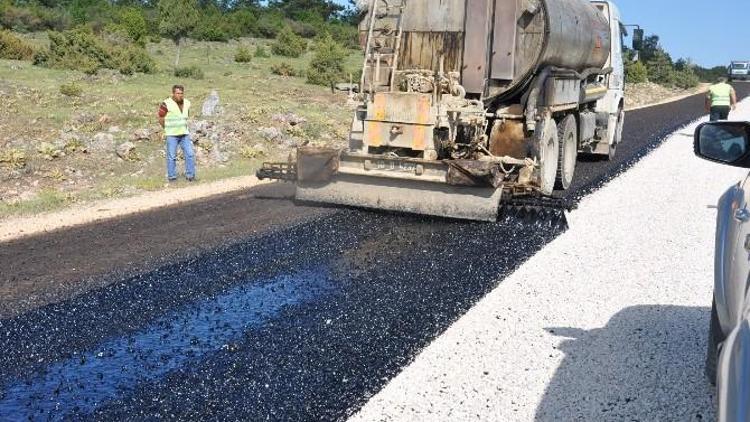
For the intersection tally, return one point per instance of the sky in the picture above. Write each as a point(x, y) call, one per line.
point(710, 32)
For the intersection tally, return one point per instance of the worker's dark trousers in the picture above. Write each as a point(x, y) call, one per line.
point(720, 113)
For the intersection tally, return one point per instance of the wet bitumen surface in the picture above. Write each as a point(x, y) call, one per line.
point(303, 322)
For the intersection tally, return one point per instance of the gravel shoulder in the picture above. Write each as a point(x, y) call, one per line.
point(607, 322)
point(649, 94)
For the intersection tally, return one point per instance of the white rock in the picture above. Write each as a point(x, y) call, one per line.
point(102, 141)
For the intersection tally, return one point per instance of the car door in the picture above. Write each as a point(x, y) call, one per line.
point(732, 264)
point(733, 383)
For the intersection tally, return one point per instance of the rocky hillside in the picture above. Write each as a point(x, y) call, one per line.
point(66, 136)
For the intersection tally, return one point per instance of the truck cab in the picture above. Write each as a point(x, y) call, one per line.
point(613, 103)
point(739, 71)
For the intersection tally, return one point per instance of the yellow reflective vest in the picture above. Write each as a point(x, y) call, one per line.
point(176, 120)
point(720, 94)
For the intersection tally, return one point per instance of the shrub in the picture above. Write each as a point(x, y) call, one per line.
point(132, 59)
point(289, 44)
point(74, 145)
point(660, 69)
point(14, 48)
point(242, 55)
point(71, 90)
point(213, 25)
point(710, 75)
point(326, 67)
point(250, 153)
point(270, 24)
point(133, 23)
point(284, 69)
point(80, 49)
point(346, 35)
point(57, 175)
point(192, 72)
point(77, 49)
point(303, 29)
point(13, 157)
point(211, 29)
point(31, 18)
point(20, 19)
point(49, 152)
point(261, 52)
point(243, 22)
point(636, 73)
point(685, 78)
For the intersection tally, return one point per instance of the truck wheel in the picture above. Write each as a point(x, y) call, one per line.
point(567, 134)
point(715, 338)
point(549, 152)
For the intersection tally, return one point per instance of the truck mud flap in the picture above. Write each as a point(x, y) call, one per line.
point(409, 196)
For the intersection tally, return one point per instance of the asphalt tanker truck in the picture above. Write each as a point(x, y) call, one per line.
point(467, 105)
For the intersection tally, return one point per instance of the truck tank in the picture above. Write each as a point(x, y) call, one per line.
point(459, 101)
point(498, 45)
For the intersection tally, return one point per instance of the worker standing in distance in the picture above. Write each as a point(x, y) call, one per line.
point(173, 118)
point(720, 100)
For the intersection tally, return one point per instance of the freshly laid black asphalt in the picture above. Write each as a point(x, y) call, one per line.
point(302, 323)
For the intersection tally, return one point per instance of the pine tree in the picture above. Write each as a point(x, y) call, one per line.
point(177, 19)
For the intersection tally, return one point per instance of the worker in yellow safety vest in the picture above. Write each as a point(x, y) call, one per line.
point(720, 100)
point(173, 118)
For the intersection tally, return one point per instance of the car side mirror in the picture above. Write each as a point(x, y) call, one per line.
point(724, 142)
point(638, 39)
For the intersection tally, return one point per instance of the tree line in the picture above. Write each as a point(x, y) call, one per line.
point(89, 35)
point(142, 21)
point(655, 64)
point(205, 20)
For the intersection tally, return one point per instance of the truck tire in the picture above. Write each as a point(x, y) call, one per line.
point(715, 338)
point(549, 151)
point(567, 134)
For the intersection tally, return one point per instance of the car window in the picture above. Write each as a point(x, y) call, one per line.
point(739, 65)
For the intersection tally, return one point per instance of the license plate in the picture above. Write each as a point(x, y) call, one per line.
point(387, 165)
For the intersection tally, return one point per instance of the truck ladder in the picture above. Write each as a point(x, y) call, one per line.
point(375, 55)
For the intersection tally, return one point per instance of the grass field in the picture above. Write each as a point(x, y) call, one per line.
point(36, 119)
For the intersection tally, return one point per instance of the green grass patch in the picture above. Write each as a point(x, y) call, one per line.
point(149, 183)
point(46, 200)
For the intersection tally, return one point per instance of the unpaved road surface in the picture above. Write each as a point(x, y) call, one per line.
point(244, 308)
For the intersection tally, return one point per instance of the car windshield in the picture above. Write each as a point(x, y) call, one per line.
point(739, 65)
